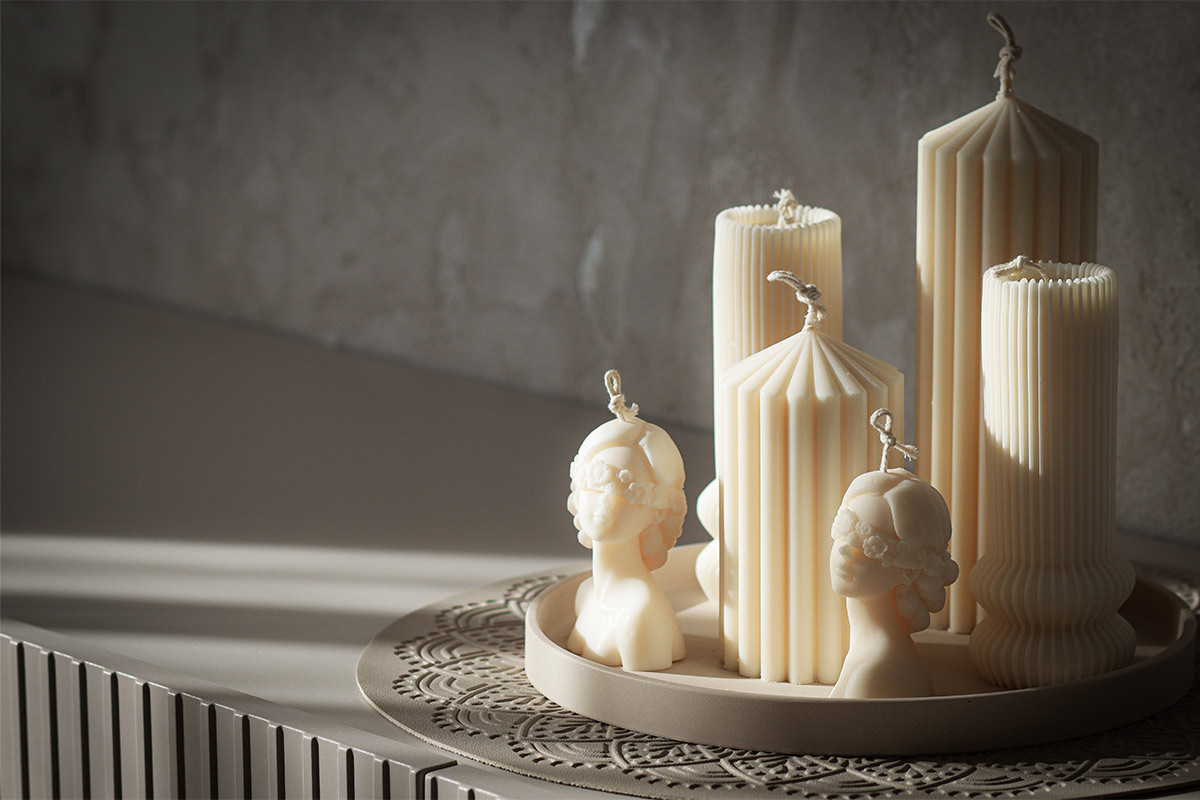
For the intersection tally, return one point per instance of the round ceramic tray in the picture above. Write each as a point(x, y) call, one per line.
point(453, 674)
point(697, 700)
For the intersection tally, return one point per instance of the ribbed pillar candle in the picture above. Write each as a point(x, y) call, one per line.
point(793, 439)
point(753, 241)
point(1051, 580)
point(1003, 180)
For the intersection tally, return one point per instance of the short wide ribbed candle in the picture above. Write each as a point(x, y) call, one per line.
point(793, 438)
point(1051, 579)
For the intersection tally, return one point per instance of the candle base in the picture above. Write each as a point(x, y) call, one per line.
point(1019, 657)
point(1051, 623)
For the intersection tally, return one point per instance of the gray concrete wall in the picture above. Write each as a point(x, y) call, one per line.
point(526, 192)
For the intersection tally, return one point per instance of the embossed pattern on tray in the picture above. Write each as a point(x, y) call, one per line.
point(457, 680)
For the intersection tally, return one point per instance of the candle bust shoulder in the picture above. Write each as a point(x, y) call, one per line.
point(628, 504)
point(890, 561)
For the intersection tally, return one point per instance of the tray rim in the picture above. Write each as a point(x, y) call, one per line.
point(726, 717)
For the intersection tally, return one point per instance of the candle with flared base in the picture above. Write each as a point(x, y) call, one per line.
point(1051, 580)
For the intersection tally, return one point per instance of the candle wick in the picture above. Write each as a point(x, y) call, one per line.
point(1008, 54)
point(616, 400)
point(787, 207)
point(805, 293)
point(1019, 268)
point(881, 421)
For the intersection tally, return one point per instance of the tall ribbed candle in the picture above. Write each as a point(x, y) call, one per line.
point(1003, 180)
point(1051, 580)
point(792, 440)
point(751, 242)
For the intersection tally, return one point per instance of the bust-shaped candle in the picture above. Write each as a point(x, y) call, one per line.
point(890, 561)
point(628, 503)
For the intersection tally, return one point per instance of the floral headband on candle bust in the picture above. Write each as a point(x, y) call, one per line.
point(599, 476)
point(885, 548)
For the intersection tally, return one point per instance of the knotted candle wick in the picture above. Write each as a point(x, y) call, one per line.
point(788, 208)
point(881, 421)
point(1008, 54)
point(616, 400)
point(1021, 267)
point(805, 293)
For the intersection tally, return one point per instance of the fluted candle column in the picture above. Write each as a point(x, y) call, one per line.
point(753, 241)
point(1051, 580)
point(793, 437)
point(1003, 180)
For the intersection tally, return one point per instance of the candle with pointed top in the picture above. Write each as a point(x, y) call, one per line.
point(1005, 179)
point(792, 439)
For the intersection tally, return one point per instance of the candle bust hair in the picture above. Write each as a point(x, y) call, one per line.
point(910, 543)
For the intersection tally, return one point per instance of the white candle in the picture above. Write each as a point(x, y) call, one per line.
point(1051, 580)
point(628, 504)
point(751, 242)
point(792, 440)
point(1002, 180)
point(890, 562)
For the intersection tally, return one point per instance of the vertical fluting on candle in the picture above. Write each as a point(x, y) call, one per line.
point(1004, 179)
point(792, 440)
point(749, 314)
point(1051, 579)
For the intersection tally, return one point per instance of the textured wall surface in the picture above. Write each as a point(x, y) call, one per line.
point(526, 192)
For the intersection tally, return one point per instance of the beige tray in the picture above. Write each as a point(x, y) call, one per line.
point(699, 701)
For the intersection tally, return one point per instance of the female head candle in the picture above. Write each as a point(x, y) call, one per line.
point(890, 560)
point(628, 504)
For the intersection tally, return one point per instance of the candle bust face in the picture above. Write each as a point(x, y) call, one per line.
point(606, 507)
point(855, 574)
